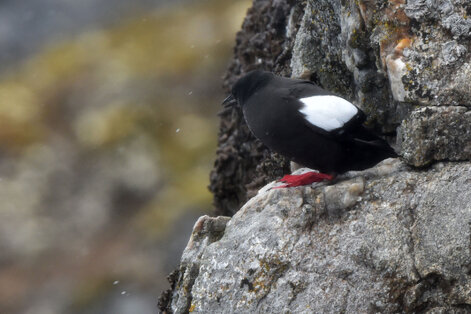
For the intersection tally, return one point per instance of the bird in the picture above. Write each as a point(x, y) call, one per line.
point(307, 124)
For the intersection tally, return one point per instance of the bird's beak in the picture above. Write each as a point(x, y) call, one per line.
point(229, 101)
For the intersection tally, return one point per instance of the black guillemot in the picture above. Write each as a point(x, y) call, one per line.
point(308, 125)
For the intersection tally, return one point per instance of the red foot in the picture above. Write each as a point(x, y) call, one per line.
point(303, 179)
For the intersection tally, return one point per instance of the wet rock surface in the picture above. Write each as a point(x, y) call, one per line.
point(399, 242)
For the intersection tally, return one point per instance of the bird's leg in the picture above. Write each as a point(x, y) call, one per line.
point(303, 179)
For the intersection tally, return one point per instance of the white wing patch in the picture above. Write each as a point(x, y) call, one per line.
point(327, 112)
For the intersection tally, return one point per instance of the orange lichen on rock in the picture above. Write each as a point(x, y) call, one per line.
point(403, 43)
point(391, 22)
point(397, 68)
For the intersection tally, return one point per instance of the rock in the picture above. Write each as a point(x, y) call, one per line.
point(438, 60)
point(206, 231)
point(398, 242)
point(343, 195)
point(452, 52)
point(423, 63)
point(436, 133)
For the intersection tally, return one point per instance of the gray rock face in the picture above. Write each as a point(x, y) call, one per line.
point(387, 240)
point(436, 133)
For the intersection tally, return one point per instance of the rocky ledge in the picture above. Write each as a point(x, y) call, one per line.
point(390, 239)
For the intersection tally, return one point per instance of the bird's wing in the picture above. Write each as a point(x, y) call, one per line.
point(327, 112)
point(330, 114)
point(324, 112)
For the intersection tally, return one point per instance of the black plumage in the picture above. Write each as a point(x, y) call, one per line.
point(286, 115)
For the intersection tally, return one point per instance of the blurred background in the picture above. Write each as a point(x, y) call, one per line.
point(108, 132)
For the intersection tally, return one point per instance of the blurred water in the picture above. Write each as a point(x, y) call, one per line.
point(107, 135)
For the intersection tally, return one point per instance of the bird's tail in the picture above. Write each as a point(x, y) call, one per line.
point(367, 149)
point(379, 145)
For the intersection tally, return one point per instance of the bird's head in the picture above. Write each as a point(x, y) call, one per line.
point(247, 85)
